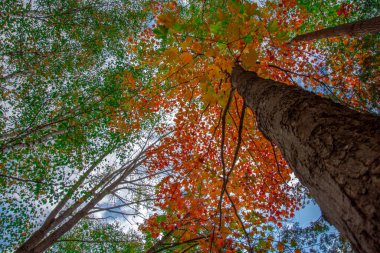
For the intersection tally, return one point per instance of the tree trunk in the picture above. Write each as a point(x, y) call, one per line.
point(54, 216)
point(368, 26)
point(333, 150)
point(41, 240)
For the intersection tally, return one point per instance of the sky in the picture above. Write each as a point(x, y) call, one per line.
point(309, 213)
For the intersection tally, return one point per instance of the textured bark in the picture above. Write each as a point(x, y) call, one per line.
point(352, 29)
point(333, 150)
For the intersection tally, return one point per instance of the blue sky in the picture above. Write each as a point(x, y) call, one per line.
point(311, 212)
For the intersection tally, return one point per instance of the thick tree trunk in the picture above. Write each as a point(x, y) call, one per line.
point(368, 26)
point(333, 150)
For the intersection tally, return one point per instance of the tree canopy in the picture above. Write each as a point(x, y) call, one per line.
point(126, 108)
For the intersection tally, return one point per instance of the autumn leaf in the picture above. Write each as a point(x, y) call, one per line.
point(166, 19)
point(280, 247)
point(186, 57)
point(249, 59)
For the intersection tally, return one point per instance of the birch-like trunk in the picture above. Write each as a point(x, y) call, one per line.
point(41, 240)
point(333, 150)
point(369, 26)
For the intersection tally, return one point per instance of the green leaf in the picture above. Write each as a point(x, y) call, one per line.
point(161, 32)
point(248, 39)
point(179, 27)
point(216, 28)
point(273, 26)
point(161, 218)
point(283, 36)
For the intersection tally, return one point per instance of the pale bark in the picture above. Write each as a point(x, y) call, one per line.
point(53, 217)
point(63, 217)
point(54, 237)
point(369, 26)
point(333, 150)
point(42, 239)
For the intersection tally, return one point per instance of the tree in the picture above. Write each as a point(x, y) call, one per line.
point(54, 56)
point(46, 38)
point(333, 151)
point(97, 236)
point(200, 43)
point(345, 50)
point(68, 119)
point(66, 214)
point(368, 26)
point(228, 186)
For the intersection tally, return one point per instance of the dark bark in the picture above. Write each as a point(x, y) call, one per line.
point(333, 150)
point(369, 26)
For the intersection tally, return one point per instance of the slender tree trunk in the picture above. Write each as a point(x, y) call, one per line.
point(368, 26)
point(53, 219)
point(55, 225)
point(333, 150)
point(42, 240)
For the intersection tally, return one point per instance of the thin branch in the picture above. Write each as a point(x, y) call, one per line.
point(277, 165)
point(238, 143)
point(22, 180)
point(90, 241)
point(222, 154)
point(241, 222)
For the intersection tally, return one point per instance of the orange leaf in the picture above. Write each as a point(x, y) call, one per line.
point(220, 243)
point(186, 57)
point(280, 247)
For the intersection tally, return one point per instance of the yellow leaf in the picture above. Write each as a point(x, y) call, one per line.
point(171, 53)
point(186, 43)
point(249, 59)
point(213, 71)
